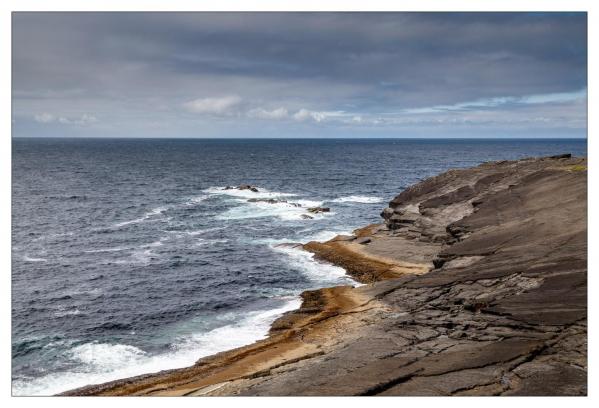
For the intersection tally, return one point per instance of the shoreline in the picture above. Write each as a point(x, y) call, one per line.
point(446, 308)
point(281, 347)
point(213, 372)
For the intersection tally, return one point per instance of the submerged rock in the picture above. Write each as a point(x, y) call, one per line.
point(265, 200)
point(272, 201)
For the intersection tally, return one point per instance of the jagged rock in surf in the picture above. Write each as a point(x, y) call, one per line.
point(316, 210)
point(243, 187)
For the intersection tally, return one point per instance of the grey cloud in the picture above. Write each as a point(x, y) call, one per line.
point(313, 68)
point(222, 105)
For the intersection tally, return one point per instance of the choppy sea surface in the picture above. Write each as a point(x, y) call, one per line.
point(129, 257)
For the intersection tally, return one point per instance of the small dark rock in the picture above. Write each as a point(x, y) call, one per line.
point(265, 200)
point(243, 187)
point(316, 210)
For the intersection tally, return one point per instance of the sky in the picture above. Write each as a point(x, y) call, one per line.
point(213, 75)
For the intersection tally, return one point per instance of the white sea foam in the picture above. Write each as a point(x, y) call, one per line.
point(143, 256)
point(55, 235)
point(31, 259)
point(100, 250)
point(62, 313)
point(102, 362)
point(92, 292)
point(196, 200)
point(320, 236)
point(233, 192)
point(147, 216)
point(201, 231)
point(284, 211)
point(326, 235)
point(202, 242)
point(104, 357)
point(155, 243)
point(323, 273)
point(308, 203)
point(288, 211)
point(358, 199)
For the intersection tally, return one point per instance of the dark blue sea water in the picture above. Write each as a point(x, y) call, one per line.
point(128, 257)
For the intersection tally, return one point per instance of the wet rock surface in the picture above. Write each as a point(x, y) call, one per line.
point(477, 285)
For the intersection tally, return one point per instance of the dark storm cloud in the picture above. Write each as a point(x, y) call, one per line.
point(124, 69)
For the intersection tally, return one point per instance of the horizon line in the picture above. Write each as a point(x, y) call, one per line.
point(300, 138)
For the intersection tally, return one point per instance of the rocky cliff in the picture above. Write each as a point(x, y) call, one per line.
point(476, 285)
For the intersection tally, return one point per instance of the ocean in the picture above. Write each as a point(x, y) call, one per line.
point(130, 257)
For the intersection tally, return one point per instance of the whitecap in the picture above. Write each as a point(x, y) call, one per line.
point(358, 199)
point(62, 313)
point(30, 259)
point(200, 231)
point(147, 216)
point(282, 210)
point(56, 235)
point(233, 192)
point(93, 292)
point(143, 257)
point(155, 243)
point(308, 203)
point(100, 250)
point(196, 200)
point(102, 362)
point(135, 221)
point(202, 242)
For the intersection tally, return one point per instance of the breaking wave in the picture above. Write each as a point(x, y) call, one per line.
point(102, 362)
point(319, 272)
point(233, 192)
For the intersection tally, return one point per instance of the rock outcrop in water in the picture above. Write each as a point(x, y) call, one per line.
point(317, 210)
point(477, 285)
point(272, 201)
point(243, 187)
